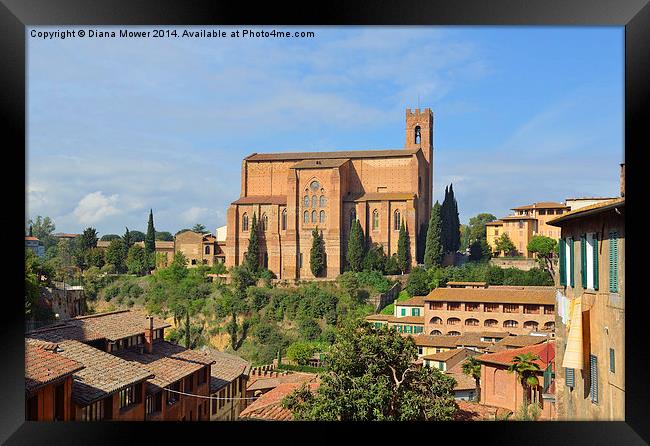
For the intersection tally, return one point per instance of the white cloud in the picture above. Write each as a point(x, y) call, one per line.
point(95, 206)
point(194, 214)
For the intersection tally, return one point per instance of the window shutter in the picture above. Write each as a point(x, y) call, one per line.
point(595, 256)
point(571, 262)
point(593, 375)
point(612, 360)
point(562, 254)
point(613, 262)
point(570, 377)
point(583, 260)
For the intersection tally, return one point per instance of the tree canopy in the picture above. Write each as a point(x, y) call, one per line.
point(433, 250)
point(199, 228)
point(356, 248)
point(450, 222)
point(372, 376)
point(403, 249)
point(317, 254)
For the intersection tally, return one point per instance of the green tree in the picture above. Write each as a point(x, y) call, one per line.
point(199, 228)
point(356, 248)
point(309, 328)
point(317, 254)
point(88, 239)
point(372, 376)
point(433, 250)
point(476, 227)
point(472, 367)
point(138, 236)
point(450, 222)
point(375, 259)
point(403, 249)
point(301, 352)
point(505, 245)
point(392, 265)
point(109, 237)
point(42, 228)
point(164, 236)
point(252, 257)
point(136, 260)
point(116, 255)
point(526, 369)
point(127, 238)
point(95, 257)
point(545, 249)
point(417, 283)
point(150, 242)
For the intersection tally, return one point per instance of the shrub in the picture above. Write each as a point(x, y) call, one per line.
point(417, 283)
point(309, 329)
point(374, 280)
point(301, 352)
point(392, 266)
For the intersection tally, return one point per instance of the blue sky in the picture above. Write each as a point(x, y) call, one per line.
point(118, 126)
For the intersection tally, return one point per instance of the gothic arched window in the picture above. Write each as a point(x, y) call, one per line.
point(313, 216)
point(283, 220)
point(305, 217)
point(305, 201)
point(265, 222)
point(322, 216)
point(244, 222)
point(375, 219)
point(397, 220)
point(323, 201)
point(314, 201)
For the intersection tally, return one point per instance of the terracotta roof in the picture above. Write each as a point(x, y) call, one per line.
point(396, 319)
point(269, 406)
point(592, 198)
point(444, 356)
point(262, 199)
point(464, 340)
point(298, 156)
point(587, 210)
point(510, 342)
point(380, 196)
point(103, 373)
point(44, 365)
point(463, 381)
point(518, 217)
point(226, 368)
point(64, 235)
point(494, 334)
point(542, 205)
point(27, 237)
point(320, 164)
point(64, 332)
point(495, 223)
point(117, 324)
point(168, 362)
point(415, 301)
point(494, 295)
point(262, 382)
point(477, 284)
point(545, 351)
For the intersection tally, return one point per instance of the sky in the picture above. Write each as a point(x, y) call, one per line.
point(118, 126)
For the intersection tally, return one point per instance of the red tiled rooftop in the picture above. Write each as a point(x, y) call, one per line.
point(44, 365)
point(226, 368)
point(298, 156)
point(269, 406)
point(262, 382)
point(545, 351)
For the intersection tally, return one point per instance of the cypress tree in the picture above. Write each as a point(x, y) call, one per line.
point(150, 242)
point(127, 238)
point(433, 250)
point(403, 251)
point(317, 255)
point(454, 227)
point(252, 258)
point(356, 248)
point(444, 221)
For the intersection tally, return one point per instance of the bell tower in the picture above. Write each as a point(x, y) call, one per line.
point(419, 131)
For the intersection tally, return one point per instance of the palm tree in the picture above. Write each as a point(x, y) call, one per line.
point(472, 367)
point(526, 369)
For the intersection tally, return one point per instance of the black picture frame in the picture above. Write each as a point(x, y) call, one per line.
point(16, 15)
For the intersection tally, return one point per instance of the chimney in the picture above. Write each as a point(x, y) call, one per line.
point(148, 334)
point(622, 179)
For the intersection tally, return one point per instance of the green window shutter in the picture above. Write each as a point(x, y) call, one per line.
point(613, 262)
point(593, 377)
point(595, 256)
point(570, 377)
point(403, 311)
point(612, 360)
point(583, 260)
point(571, 263)
point(562, 254)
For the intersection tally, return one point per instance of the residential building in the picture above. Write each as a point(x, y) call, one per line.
point(465, 388)
point(198, 248)
point(262, 381)
point(403, 324)
point(577, 203)
point(65, 236)
point(35, 245)
point(445, 360)
point(228, 381)
point(48, 382)
point(290, 194)
point(590, 320)
point(268, 407)
point(512, 342)
point(502, 388)
point(410, 307)
point(518, 310)
point(428, 344)
point(527, 221)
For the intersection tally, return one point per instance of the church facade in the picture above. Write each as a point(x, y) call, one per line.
point(292, 193)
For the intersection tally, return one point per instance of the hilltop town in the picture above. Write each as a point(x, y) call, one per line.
point(335, 271)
